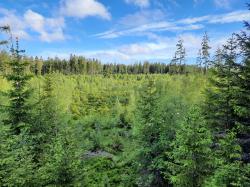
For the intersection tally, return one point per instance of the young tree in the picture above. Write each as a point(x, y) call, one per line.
point(38, 66)
point(218, 56)
point(156, 121)
point(229, 170)
point(242, 105)
point(199, 61)
point(148, 135)
point(19, 94)
point(61, 160)
point(192, 154)
point(227, 108)
point(78, 107)
point(219, 105)
point(46, 120)
point(16, 160)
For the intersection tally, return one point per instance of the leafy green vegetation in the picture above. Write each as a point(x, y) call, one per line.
point(82, 123)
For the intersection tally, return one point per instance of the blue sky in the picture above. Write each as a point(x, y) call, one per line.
point(121, 30)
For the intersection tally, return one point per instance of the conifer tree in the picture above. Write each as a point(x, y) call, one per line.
point(218, 56)
point(205, 52)
point(220, 96)
point(79, 103)
point(38, 66)
point(227, 108)
point(61, 161)
point(199, 61)
point(46, 120)
point(48, 104)
point(242, 105)
point(18, 95)
point(229, 170)
point(191, 155)
point(173, 65)
point(16, 160)
point(146, 108)
point(152, 138)
point(179, 57)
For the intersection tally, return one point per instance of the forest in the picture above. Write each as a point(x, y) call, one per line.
point(79, 122)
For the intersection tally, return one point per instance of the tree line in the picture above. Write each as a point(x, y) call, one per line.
point(81, 65)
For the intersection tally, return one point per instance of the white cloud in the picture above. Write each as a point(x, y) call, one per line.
point(16, 24)
point(144, 23)
point(130, 23)
point(35, 20)
point(49, 29)
point(151, 27)
point(140, 3)
point(84, 8)
point(236, 16)
point(135, 49)
point(142, 17)
point(161, 49)
point(193, 20)
point(222, 3)
point(108, 56)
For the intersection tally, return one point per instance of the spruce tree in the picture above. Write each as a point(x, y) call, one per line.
point(16, 160)
point(220, 95)
point(153, 135)
point(229, 170)
point(199, 61)
point(192, 155)
point(18, 111)
point(79, 103)
point(46, 120)
point(242, 105)
point(60, 161)
point(227, 108)
point(218, 58)
point(149, 99)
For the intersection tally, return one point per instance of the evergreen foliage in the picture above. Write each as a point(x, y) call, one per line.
point(178, 61)
point(191, 156)
point(79, 122)
point(18, 95)
point(221, 95)
point(205, 55)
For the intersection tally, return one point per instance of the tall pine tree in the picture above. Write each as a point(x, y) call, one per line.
point(205, 55)
point(179, 58)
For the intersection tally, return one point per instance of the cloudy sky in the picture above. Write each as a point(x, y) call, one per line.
point(121, 30)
